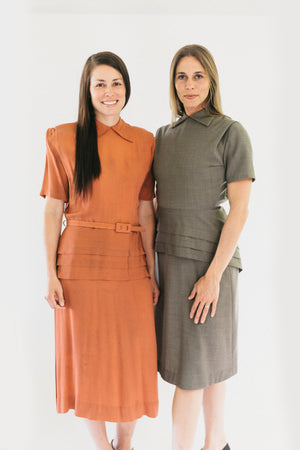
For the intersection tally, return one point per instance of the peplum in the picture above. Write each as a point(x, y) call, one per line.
point(194, 161)
point(105, 345)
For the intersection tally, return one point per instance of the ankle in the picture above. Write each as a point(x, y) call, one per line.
point(121, 444)
point(215, 444)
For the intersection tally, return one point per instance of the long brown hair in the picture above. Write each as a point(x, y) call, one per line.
point(87, 165)
point(213, 100)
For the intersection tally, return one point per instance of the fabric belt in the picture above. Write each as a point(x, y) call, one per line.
point(119, 227)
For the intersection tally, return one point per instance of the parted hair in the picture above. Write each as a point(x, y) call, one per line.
point(87, 164)
point(213, 100)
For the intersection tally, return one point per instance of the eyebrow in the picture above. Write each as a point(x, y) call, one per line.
point(183, 73)
point(115, 79)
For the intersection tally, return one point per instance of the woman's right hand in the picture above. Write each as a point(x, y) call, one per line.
point(55, 296)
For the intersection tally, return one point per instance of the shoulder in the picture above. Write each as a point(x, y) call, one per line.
point(140, 134)
point(64, 130)
point(219, 124)
point(236, 131)
point(236, 142)
point(162, 131)
point(227, 129)
point(61, 136)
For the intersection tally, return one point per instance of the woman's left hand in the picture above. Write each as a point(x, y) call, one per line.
point(206, 293)
point(155, 290)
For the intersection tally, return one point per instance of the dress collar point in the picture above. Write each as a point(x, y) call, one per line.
point(124, 130)
point(199, 116)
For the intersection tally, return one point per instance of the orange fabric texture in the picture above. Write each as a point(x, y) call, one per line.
point(106, 364)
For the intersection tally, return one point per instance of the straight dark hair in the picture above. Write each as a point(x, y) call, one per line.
point(87, 164)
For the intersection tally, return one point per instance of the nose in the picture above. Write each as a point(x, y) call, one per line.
point(189, 83)
point(108, 91)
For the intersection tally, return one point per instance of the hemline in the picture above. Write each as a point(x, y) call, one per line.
point(151, 412)
point(171, 377)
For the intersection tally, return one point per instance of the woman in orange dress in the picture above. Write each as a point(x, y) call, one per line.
point(101, 268)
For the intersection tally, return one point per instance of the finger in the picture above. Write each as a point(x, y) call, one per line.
point(52, 302)
point(197, 301)
point(213, 308)
point(193, 293)
point(204, 313)
point(56, 300)
point(194, 308)
point(60, 299)
point(155, 297)
point(199, 312)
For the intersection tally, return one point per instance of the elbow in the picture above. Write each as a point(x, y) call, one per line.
point(243, 214)
point(53, 214)
point(240, 213)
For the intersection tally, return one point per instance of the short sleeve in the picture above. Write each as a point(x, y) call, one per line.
point(55, 182)
point(238, 154)
point(147, 189)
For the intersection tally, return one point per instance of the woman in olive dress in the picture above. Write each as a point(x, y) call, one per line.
point(202, 159)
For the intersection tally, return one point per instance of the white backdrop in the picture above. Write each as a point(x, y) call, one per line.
point(43, 56)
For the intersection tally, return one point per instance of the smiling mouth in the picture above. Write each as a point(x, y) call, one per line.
point(110, 103)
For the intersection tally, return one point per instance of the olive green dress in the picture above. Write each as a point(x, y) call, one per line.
point(194, 161)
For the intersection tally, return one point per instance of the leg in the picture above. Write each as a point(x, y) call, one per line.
point(124, 434)
point(98, 431)
point(185, 413)
point(213, 409)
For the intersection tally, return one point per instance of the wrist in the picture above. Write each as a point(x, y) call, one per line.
point(214, 274)
point(52, 274)
point(151, 273)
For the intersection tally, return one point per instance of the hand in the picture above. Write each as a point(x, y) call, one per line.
point(55, 296)
point(155, 290)
point(206, 293)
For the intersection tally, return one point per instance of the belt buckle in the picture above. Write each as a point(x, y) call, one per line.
point(123, 227)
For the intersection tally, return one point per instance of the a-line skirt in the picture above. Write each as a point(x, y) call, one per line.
point(194, 356)
point(106, 361)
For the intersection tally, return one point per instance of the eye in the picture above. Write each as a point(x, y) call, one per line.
point(117, 83)
point(198, 76)
point(99, 84)
point(180, 77)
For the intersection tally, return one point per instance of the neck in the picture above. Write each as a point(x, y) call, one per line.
point(109, 121)
point(191, 111)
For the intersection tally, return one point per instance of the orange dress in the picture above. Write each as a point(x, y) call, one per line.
point(105, 347)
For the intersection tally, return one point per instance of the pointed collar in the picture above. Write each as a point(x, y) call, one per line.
point(199, 116)
point(121, 128)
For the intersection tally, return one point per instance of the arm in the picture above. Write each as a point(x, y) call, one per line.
point(206, 289)
point(52, 228)
point(146, 220)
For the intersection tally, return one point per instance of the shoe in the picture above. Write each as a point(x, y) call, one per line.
point(112, 446)
point(225, 448)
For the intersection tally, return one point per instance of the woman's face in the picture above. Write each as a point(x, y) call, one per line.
point(191, 84)
point(108, 94)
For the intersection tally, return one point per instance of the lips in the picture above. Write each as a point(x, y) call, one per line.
point(111, 103)
point(190, 97)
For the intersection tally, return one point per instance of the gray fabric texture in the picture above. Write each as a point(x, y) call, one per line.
point(193, 163)
point(194, 356)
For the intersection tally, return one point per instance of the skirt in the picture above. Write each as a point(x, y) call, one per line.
point(105, 350)
point(194, 356)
